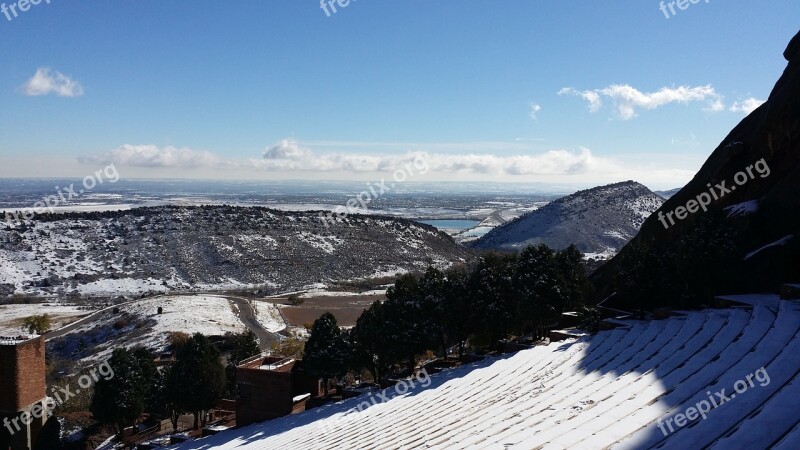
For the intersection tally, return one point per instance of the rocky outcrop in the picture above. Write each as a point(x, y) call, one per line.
point(765, 209)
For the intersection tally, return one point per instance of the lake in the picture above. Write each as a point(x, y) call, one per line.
point(451, 224)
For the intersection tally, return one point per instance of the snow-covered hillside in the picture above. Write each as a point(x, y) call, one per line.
point(12, 316)
point(155, 250)
point(598, 221)
point(638, 386)
point(138, 323)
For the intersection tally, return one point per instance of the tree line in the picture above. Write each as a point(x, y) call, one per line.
point(444, 312)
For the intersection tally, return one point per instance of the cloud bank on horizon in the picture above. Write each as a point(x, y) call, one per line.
point(290, 156)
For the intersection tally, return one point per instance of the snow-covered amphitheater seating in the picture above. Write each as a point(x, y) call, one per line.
point(615, 389)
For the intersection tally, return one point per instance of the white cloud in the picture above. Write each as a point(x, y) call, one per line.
point(627, 100)
point(153, 156)
point(591, 97)
point(516, 145)
point(747, 106)
point(716, 106)
point(535, 108)
point(287, 149)
point(554, 162)
point(290, 159)
point(289, 155)
point(47, 81)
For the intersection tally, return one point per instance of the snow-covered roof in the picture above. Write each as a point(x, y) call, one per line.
point(614, 389)
point(278, 365)
point(767, 300)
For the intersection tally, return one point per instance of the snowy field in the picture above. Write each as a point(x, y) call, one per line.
point(138, 323)
point(269, 316)
point(11, 316)
point(209, 315)
point(638, 386)
point(322, 292)
point(605, 255)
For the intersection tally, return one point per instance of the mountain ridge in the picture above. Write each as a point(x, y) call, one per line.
point(597, 220)
point(173, 249)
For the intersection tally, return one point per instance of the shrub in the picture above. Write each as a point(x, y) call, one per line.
point(37, 324)
point(588, 319)
point(177, 339)
point(296, 300)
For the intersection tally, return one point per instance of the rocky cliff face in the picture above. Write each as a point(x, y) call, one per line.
point(763, 153)
point(209, 248)
point(599, 220)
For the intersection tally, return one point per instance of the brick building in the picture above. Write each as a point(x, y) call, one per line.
point(272, 387)
point(22, 392)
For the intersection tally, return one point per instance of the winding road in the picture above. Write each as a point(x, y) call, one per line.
point(248, 318)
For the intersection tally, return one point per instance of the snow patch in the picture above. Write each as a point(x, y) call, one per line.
point(777, 243)
point(742, 209)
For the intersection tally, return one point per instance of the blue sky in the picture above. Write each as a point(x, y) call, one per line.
point(584, 92)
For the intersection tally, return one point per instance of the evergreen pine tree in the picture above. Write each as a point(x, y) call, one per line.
point(121, 399)
point(326, 354)
point(197, 379)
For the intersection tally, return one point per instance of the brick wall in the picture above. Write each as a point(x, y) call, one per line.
point(22, 375)
point(263, 395)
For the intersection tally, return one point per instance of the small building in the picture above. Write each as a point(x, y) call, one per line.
point(272, 387)
point(23, 391)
